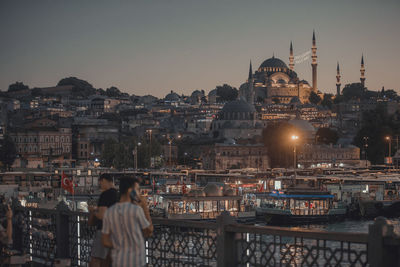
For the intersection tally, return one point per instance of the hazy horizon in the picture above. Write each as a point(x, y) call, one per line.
point(153, 47)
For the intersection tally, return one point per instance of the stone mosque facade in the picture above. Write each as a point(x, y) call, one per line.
point(274, 81)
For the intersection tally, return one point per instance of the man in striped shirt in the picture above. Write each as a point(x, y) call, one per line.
point(124, 226)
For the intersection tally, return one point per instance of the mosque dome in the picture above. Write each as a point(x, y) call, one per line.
point(238, 110)
point(238, 106)
point(172, 96)
point(213, 92)
point(273, 62)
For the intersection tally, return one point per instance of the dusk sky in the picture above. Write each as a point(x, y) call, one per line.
point(152, 47)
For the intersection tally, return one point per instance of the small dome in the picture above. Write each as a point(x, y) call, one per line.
point(230, 192)
point(238, 106)
point(196, 193)
point(273, 62)
point(212, 92)
point(197, 93)
point(213, 190)
point(172, 96)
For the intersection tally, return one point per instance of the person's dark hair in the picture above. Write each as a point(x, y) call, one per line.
point(125, 183)
point(106, 176)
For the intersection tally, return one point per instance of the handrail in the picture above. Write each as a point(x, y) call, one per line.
point(298, 232)
point(185, 223)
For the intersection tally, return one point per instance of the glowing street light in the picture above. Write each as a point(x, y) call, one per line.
point(135, 152)
point(170, 139)
point(294, 138)
point(390, 147)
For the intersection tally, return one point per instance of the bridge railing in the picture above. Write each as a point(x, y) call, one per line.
point(48, 235)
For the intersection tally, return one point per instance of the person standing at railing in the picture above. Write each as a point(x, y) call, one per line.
point(109, 196)
point(125, 225)
point(6, 232)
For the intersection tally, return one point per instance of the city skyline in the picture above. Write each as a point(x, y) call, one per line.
point(153, 48)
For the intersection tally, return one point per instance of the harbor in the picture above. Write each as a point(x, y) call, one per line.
point(193, 202)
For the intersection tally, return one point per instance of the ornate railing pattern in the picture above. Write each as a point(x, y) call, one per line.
point(39, 237)
point(272, 246)
point(50, 234)
point(80, 238)
point(179, 243)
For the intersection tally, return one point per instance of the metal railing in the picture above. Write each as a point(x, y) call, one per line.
point(52, 234)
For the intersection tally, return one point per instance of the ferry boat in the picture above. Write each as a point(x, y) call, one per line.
point(205, 207)
point(298, 207)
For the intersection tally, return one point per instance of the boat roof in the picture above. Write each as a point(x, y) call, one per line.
point(200, 198)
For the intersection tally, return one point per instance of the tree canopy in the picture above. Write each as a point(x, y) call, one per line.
point(80, 87)
point(17, 86)
point(226, 93)
point(327, 136)
point(8, 152)
point(314, 98)
point(277, 138)
point(327, 101)
point(375, 126)
point(120, 155)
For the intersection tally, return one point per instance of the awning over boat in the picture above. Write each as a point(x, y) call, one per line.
point(300, 196)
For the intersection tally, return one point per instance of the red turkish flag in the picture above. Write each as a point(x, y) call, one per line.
point(66, 183)
point(183, 188)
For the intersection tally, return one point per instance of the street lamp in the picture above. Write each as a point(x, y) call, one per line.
point(135, 153)
point(150, 148)
point(390, 147)
point(170, 139)
point(365, 138)
point(294, 138)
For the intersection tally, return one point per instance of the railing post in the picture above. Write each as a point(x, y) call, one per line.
point(380, 254)
point(226, 247)
point(62, 231)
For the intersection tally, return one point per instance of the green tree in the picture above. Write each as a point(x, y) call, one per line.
point(8, 152)
point(277, 138)
point(80, 87)
point(108, 153)
point(226, 93)
point(391, 94)
point(17, 86)
point(376, 125)
point(327, 101)
point(353, 91)
point(314, 98)
point(326, 136)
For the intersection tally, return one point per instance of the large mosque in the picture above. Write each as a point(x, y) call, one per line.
point(275, 82)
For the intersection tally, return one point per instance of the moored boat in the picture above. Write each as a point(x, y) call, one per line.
point(298, 207)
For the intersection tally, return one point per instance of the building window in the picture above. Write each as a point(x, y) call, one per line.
point(62, 139)
point(51, 139)
point(86, 146)
point(47, 139)
point(81, 147)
